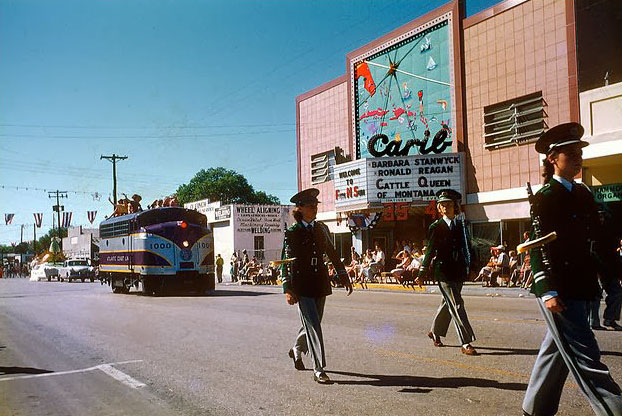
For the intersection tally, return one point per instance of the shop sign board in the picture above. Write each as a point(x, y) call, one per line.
point(260, 219)
point(366, 183)
point(608, 193)
point(205, 207)
point(222, 213)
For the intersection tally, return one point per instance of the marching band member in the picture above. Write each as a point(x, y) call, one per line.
point(448, 251)
point(564, 280)
point(305, 279)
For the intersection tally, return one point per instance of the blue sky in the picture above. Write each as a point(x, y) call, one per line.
point(177, 86)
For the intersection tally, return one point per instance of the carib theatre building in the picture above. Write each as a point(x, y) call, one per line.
point(452, 102)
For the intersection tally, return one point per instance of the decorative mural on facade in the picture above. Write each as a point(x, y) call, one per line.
point(403, 94)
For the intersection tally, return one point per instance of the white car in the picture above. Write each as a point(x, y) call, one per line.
point(77, 269)
point(44, 271)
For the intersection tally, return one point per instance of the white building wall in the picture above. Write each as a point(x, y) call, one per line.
point(236, 226)
point(223, 244)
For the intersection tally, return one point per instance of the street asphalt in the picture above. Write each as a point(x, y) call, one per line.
point(79, 349)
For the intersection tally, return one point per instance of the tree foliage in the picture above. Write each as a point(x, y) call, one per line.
point(226, 186)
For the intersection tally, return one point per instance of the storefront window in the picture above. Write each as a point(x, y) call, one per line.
point(484, 235)
point(259, 247)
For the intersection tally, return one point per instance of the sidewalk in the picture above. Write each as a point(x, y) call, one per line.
point(469, 289)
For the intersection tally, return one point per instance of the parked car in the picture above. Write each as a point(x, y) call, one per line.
point(77, 269)
point(45, 271)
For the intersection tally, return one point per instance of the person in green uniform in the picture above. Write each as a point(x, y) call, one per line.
point(565, 281)
point(306, 281)
point(219, 263)
point(448, 255)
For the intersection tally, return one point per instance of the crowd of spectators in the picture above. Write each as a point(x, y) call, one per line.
point(14, 270)
point(506, 269)
point(251, 270)
point(131, 205)
point(373, 266)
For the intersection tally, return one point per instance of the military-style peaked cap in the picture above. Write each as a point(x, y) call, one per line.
point(448, 195)
point(308, 196)
point(561, 135)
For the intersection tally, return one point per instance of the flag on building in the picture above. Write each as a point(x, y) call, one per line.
point(66, 219)
point(91, 216)
point(8, 218)
point(38, 219)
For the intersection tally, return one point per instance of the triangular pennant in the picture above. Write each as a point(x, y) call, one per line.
point(38, 219)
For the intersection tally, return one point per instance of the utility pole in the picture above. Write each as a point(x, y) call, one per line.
point(58, 208)
point(114, 159)
point(21, 256)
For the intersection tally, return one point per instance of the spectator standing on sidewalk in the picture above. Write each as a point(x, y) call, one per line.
point(220, 262)
point(234, 267)
point(609, 273)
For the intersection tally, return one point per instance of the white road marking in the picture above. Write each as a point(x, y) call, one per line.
point(106, 368)
point(121, 376)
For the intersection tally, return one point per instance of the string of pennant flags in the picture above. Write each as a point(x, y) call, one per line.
point(66, 219)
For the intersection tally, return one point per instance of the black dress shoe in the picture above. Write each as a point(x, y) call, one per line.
point(598, 328)
point(298, 364)
point(613, 325)
point(436, 339)
point(321, 378)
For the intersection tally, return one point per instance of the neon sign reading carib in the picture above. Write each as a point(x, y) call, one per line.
point(380, 145)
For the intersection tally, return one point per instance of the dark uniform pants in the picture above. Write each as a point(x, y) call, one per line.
point(570, 345)
point(452, 307)
point(309, 337)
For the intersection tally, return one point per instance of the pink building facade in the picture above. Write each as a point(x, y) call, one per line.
point(476, 91)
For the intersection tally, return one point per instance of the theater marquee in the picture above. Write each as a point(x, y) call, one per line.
point(369, 183)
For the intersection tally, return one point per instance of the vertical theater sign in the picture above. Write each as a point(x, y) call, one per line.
point(404, 118)
point(403, 93)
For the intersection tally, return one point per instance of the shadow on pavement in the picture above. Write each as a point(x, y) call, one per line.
point(420, 384)
point(506, 351)
point(171, 293)
point(519, 351)
point(232, 292)
point(22, 370)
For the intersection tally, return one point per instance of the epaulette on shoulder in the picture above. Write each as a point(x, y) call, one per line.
point(546, 188)
point(436, 223)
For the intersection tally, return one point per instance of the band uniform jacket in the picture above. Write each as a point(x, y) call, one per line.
point(307, 275)
point(573, 266)
point(447, 252)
